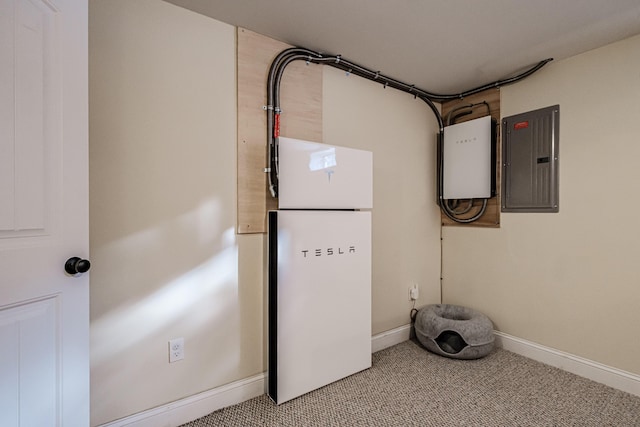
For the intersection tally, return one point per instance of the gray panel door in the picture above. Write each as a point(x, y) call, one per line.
point(530, 161)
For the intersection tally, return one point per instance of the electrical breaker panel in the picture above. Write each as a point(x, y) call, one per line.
point(530, 161)
point(467, 160)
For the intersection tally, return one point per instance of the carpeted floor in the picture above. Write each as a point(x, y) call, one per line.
point(408, 386)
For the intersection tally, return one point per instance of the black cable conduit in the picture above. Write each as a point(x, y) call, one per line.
point(284, 58)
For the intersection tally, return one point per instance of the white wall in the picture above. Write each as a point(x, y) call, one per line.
point(568, 280)
point(166, 260)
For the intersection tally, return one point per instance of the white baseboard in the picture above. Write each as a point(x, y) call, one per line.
point(389, 338)
point(613, 377)
point(194, 407)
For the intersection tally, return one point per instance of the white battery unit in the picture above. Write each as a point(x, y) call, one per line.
point(319, 299)
point(467, 160)
point(321, 176)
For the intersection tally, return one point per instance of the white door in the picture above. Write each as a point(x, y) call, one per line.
point(44, 311)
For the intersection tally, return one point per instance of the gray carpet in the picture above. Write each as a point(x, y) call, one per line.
point(408, 386)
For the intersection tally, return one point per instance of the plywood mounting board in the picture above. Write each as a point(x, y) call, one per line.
point(301, 103)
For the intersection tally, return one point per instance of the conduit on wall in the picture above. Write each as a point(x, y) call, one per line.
point(301, 54)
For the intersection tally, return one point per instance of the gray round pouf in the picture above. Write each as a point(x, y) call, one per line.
point(454, 331)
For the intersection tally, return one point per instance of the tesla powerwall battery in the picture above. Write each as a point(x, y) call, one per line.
point(319, 299)
point(321, 176)
point(467, 160)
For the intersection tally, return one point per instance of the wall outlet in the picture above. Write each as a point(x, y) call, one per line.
point(414, 292)
point(176, 349)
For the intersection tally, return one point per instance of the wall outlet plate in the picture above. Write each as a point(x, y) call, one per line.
point(414, 292)
point(176, 349)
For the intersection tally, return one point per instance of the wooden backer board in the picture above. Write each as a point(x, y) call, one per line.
point(491, 217)
point(301, 118)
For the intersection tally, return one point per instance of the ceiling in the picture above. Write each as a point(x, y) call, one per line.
point(444, 46)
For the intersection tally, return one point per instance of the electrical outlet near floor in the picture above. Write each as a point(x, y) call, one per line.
point(414, 292)
point(176, 349)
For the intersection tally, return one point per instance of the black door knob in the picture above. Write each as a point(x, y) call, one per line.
point(77, 265)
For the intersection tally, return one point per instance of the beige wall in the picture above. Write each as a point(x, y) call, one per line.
point(166, 260)
point(401, 133)
point(569, 280)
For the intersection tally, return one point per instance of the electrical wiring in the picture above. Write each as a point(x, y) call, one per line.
point(284, 58)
